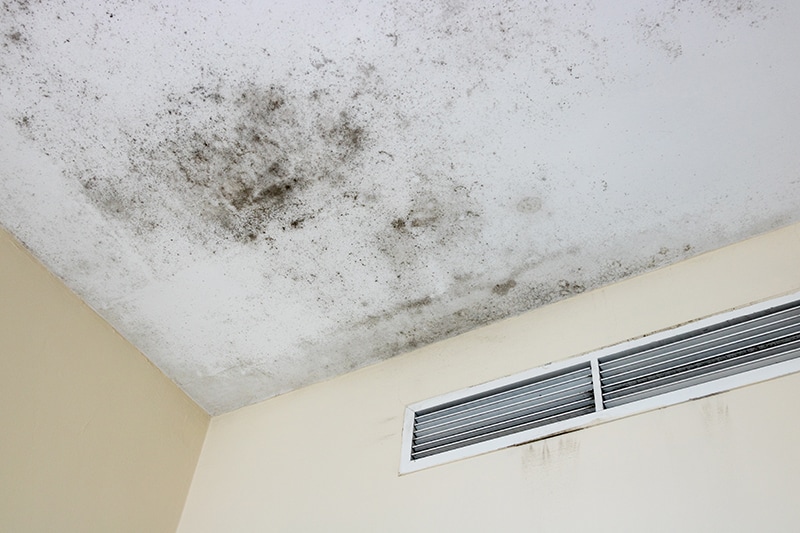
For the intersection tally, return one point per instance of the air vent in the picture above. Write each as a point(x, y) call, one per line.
point(733, 347)
point(503, 411)
point(708, 356)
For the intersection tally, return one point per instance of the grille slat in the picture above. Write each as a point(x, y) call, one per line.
point(486, 419)
point(611, 381)
point(704, 375)
point(517, 389)
point(713, 335)
point(515, 404)
point(588, 409)
point(700, 356)
point(510, 409)
point(516, 422)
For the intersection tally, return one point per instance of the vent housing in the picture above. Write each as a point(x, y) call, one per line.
point(705, 357)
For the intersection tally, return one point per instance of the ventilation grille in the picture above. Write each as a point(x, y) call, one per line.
point(589, 387)
point(712, 353)
point(526, 405)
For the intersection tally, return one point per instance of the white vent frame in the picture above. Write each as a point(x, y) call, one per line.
point(602, 414)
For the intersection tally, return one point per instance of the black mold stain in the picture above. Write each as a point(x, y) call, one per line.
point(346, 136)
point(239, 158)
point(24, 123)
point(503, 288)
point(441, 216)
point(419, 303)
point(567, 288)
point(16, 22)
point(424, 220)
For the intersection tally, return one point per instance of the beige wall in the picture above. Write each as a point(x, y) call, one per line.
point(94, 437)
point(325, 458)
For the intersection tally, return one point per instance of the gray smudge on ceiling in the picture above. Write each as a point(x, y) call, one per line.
point(264, 195)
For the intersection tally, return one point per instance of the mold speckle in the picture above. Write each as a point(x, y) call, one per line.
point(346, 135)
point(659, 28)
point(399, 224)
point(24, 124)
point(503, 288)
point(416, 304)
point(568, 288)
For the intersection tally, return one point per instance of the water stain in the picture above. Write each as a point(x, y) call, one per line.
point(540, 456)
point(529, 204)
point(715, 412)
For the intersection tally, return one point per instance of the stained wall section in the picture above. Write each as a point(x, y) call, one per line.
point(325, 458)
point(94, 437)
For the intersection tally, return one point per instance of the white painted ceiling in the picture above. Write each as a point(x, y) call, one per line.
point(262, 195)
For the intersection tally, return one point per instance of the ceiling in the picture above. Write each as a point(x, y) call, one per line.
point(262, 195)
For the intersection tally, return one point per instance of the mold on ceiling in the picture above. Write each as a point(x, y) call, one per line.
point(262, 195)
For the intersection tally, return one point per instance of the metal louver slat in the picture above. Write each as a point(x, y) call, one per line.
point(588, 409)
point(504, 411)
point(768, 357)
point(454, 409)
point(520, 416)
point(544, 392)
point(716, 338)
point(731, 347)
point(688, 360)
point(500, 414)
point(527, 421)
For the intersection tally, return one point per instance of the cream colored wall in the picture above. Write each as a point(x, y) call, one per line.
point(94, 437)
point(325, 458)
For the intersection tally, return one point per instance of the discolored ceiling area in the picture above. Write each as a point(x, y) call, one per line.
point(263, 195)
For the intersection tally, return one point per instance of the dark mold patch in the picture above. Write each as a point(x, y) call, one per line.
point(428, 214)
point(568, 288)
point(24, 124)
point(424, 220)
point(346, 136)
point(503, 288)
point(240, 158)
point(441, 220)
point(17, 20)
point(418, 303)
